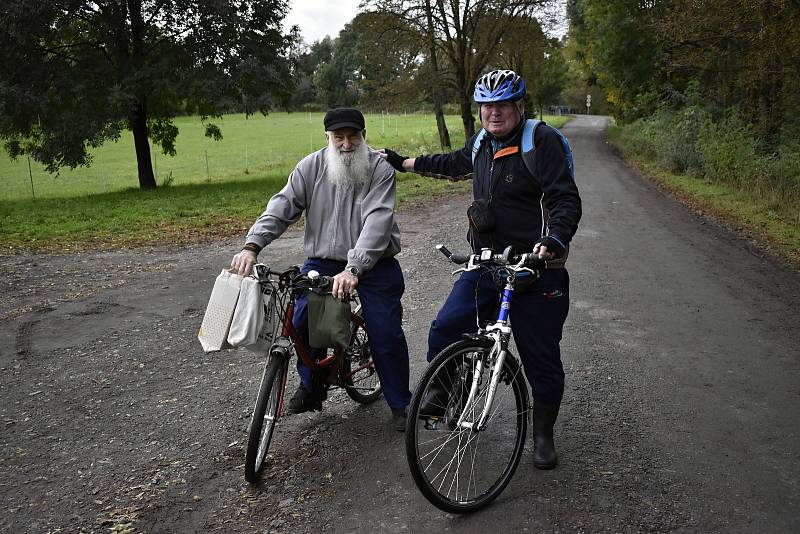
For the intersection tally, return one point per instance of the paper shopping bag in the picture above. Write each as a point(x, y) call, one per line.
point(270, 324)
point(248, 318)
point(213, 333)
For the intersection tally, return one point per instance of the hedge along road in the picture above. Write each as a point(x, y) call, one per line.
point(681, 410)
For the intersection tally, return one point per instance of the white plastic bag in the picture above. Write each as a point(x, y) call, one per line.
point(248, 319)
point(213, 333)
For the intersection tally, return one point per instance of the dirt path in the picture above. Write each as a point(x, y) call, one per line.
point(681, 413)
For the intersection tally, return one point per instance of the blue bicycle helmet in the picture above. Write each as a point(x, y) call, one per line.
point(499, 86)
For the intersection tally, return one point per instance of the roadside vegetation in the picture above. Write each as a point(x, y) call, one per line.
point(705, 96)
point(102, 207)
point(721, 174)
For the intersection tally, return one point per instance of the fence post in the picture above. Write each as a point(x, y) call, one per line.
point(208, 174)
point(30, 173)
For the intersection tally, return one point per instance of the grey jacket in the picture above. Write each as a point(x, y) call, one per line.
point(348, 224)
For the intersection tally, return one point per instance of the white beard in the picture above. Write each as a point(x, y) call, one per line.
point(347, 169)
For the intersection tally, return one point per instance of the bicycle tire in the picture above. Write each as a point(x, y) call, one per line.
point(461, 470)
point(364, 385)
point(265, 417)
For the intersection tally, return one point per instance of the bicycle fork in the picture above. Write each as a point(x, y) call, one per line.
point(495, 361)
point(281, 350)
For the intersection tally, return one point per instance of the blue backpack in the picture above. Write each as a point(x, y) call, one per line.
point(528, 146)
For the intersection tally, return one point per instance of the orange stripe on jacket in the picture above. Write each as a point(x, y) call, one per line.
point(506, 151)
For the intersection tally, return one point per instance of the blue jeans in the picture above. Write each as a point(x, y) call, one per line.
point(380, 290)
point(537, 321)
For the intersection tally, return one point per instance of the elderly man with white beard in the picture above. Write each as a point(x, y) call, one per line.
point(347, 192)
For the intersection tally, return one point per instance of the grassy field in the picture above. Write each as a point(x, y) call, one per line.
point(102, 207)
point(254, 146)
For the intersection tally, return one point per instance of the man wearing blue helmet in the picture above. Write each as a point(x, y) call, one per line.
point(529, 207)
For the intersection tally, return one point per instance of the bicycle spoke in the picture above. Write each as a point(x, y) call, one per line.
point(461, 467)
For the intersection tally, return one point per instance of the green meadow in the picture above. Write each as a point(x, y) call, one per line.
point(210, 188)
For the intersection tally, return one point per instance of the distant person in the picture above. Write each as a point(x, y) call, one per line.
point(534, 210)
point(347, 192)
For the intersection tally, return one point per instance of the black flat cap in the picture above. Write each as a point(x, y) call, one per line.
point(338, 118)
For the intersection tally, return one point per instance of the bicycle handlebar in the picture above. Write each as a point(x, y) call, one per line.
point(293, 278)
point(516, 261)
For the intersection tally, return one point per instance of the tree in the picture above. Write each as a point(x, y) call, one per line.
point(76, 73)
point(338, 80)
point(389, 62)
point(306, 61)
point(743, 53)
point(619, 45)
point(551, 78)
point(465, 33)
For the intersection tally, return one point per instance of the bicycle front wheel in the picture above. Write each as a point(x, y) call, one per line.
point(461, 469)
point(265, 416)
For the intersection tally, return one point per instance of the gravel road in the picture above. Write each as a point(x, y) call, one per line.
point(682, 410)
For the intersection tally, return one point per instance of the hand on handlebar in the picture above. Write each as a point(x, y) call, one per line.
point(343, 285)
point(548, 248)
point(243, 262)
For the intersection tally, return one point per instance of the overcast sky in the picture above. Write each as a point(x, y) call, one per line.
point(318, 18)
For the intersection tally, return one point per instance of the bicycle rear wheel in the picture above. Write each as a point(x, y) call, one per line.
point(359, 375)
point(460, 469)
point(265, 416)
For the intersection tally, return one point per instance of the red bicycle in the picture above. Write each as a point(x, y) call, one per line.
point(351, 369)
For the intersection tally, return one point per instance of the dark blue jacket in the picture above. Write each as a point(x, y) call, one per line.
point(526, 206)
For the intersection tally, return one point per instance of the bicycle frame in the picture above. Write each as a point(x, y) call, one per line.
point(290, 339)
point(288, 331)
point(500, 333)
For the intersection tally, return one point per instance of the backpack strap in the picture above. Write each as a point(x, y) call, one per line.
point(527, 134)
point(528, 148)
point(476, 145)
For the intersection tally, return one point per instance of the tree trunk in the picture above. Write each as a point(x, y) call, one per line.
point(444, 135)
point(138, 125)
point(467, 117)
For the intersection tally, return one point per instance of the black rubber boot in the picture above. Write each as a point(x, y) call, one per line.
point(544, 450)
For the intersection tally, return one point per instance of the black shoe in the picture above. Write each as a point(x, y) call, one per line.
point(399, 419)
point(434, 404)
point(305, 400)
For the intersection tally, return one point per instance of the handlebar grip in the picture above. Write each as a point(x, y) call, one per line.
point(533, 260)
point(459, 258)
point(444, 250)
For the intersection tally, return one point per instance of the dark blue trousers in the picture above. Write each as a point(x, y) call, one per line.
point(380, 290)
point(537, 322)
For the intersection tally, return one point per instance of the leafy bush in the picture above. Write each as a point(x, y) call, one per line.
point(726, 151)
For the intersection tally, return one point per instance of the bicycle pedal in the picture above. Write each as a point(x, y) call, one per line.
point(431, 423)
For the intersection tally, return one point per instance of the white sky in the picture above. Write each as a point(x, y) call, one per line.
point(318, 18)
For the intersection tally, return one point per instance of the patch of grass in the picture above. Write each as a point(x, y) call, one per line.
point(741, 210)
point(101, 207)
point(177, 214)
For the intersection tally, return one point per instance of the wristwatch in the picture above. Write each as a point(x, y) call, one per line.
point(355, 271)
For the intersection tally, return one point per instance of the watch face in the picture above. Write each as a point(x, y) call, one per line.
point(353, 270)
